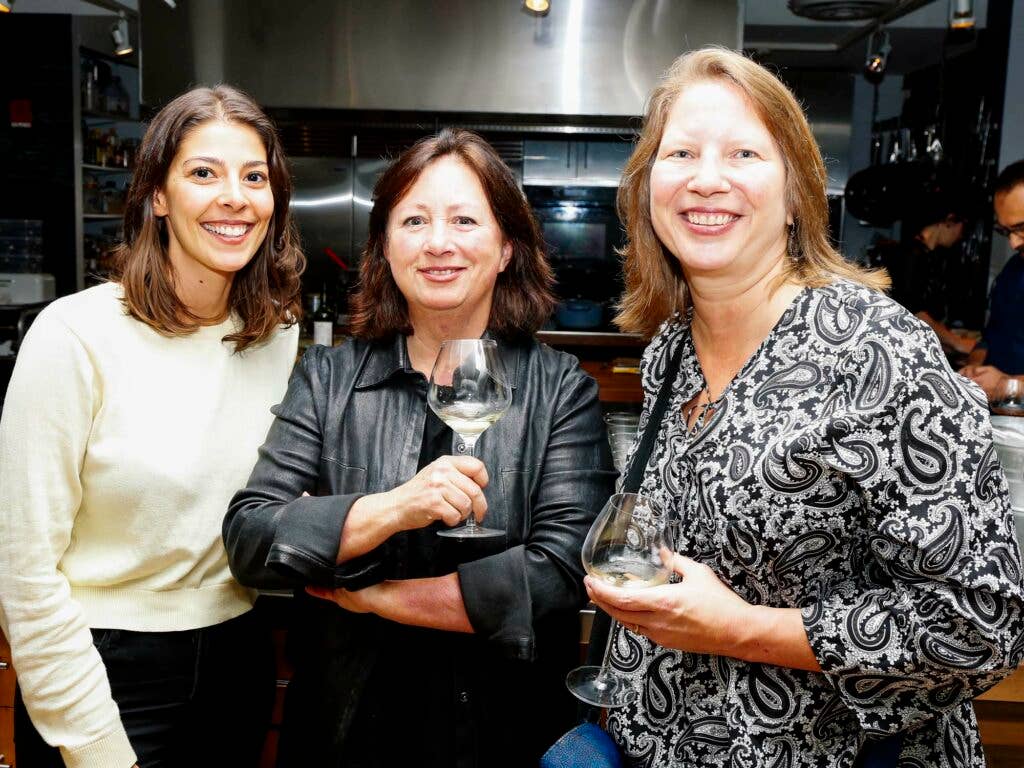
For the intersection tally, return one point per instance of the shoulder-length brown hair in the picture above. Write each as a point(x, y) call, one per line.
point(523, 300)
point(266, 293)
point(655, 286)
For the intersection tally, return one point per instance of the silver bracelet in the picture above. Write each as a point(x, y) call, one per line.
point(1012, 389)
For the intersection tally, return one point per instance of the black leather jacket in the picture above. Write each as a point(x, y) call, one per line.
point(352, 423)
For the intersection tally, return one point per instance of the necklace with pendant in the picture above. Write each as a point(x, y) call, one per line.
point(703, 410)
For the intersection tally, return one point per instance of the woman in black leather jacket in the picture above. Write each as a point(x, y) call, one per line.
point(412, 648)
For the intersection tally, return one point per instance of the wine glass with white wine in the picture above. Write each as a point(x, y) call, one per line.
point(469, 391)
point(625, 547)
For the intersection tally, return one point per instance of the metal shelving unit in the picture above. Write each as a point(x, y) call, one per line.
point(104, 168)
point(90, 223)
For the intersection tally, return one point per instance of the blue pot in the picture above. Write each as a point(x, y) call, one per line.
point(579, 314)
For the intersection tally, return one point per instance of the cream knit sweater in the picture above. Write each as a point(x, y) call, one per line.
point(119, 452)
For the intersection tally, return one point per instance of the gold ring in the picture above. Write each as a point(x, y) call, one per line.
point(636, 629)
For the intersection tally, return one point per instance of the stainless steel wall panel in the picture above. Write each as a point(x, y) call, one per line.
point(586, 57)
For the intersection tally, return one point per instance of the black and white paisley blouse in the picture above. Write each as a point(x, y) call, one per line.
point(847, 471)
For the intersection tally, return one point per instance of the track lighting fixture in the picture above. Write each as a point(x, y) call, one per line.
point(961, 14)
point(119, 33)
point(537, 7)
point(879, 49)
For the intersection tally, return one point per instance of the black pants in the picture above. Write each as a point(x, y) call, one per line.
point(198, 697)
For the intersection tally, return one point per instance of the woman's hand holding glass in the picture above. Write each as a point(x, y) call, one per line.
point(628, 545)
point(448, 489)
point(699, 613)
point(469, 391)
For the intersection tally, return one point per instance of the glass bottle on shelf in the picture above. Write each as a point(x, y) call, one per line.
point(90, 86)
point(123, 98)
point(323, 322)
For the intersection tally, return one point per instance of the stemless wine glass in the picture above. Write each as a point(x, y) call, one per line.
point(624, 547)
point(469, 391)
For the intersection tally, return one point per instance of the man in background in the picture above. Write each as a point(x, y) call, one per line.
point(919, 265)
point(997, 363)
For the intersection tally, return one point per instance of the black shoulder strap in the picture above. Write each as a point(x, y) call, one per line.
point(634, 476)
point(635, 472)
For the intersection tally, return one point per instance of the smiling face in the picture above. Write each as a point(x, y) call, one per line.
point(216, 201)
point(718, 197)
point(444, 245)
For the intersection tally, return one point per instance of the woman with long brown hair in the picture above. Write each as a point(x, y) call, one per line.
point(134, 412)
point(424, 650)
point(847, 573)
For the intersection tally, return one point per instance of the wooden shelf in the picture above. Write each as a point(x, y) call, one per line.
point(592, 339)
point(614, 387)
point(1011, 689)
point(1000, 723)
point(7, 683)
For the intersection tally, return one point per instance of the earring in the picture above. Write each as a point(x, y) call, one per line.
point(793, 244)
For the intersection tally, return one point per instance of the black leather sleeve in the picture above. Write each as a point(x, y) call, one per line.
point(506, 594)
point(276, 537)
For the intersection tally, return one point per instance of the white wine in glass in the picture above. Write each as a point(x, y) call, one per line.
point(469, 391)
point(624, 547)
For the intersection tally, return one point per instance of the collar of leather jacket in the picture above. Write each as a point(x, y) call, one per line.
point(387, 357)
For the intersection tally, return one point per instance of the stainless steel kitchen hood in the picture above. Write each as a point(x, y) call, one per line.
point(586, 57)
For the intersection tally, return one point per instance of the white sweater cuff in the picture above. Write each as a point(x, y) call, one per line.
point(111, 751)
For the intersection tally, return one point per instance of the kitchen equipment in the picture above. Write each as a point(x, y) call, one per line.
point(1018, 521)
point(21, 245)
point(1008, 437)
point(26, 288)
point(622, 429)
point(582, 233)
point(579, 314)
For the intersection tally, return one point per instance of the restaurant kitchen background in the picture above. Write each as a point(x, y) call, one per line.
point(896, 91)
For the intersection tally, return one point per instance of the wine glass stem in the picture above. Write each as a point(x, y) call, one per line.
point(469, 441)
point(603, 674)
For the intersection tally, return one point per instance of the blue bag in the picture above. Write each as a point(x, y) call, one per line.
point(586, 746)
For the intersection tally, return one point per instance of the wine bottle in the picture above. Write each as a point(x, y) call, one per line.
point(323, 323)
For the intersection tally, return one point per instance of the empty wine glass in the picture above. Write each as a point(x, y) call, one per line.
point(469, 391)
point(624, 547)
point(622, 431)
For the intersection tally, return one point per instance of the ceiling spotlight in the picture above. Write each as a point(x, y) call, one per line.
point(6, 6)
point(119, 33)
point(961, 14)
point(537, 7)
point(878, 57)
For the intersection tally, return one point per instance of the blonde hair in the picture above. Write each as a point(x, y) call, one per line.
point(655, 286)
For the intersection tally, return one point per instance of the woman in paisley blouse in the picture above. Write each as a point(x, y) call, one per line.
point(847, 566)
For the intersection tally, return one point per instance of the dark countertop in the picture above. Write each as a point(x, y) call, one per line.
point(592, 339)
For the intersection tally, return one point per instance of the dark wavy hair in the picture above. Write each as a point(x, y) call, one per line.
point(523, 299)
point(1010, 177)
point(266, 293)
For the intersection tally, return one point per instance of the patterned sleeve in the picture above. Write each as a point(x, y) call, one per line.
point(949, 622)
